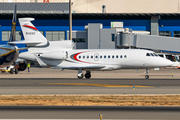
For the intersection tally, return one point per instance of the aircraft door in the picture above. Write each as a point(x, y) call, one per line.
point(96, 56)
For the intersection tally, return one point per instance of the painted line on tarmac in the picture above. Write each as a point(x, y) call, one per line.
point(96, 85)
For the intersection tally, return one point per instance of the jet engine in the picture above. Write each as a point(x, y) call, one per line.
point(57, 55)
point(21, 66)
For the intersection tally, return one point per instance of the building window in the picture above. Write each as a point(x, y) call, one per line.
point(42, 32)
point(6, 35)
point(176, 33)
point(113, 37)
point(18, 35)
point(78, 40)
point(165, 33)
point(55, 35)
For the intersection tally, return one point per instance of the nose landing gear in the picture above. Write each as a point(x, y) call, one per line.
point(80, 74)
point(147, 76)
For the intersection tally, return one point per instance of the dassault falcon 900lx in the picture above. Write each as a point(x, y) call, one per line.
point(61, 55)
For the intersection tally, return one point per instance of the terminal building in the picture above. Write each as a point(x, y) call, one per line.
point(100, 24)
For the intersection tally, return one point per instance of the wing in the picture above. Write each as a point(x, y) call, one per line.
point(80, 67)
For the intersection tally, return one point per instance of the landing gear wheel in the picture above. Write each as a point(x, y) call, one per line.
point(16, 71)
point(147, 76)
point(80, 76)
point(11, 70)
point(88, 75)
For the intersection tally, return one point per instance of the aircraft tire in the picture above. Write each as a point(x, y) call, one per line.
point(11, 70)
point(80, 77)
point(147, 76)
point(87, 75)
point(16, 71)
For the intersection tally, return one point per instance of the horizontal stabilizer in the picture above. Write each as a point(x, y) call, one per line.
point(80, 67)
point(25, 42)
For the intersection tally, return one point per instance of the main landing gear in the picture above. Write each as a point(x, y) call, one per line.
point(88, 74)
point(147, 76)
point(80, 74)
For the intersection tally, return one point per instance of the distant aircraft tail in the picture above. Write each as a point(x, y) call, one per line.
point(13, 29)
point(32, 37)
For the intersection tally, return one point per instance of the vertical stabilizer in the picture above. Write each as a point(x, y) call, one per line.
point(13, 29)
point(32, 36)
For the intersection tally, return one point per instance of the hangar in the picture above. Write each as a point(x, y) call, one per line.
point(52, 21)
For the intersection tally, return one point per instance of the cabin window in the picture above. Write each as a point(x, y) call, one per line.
point(147, 54)
point(79, 57)
point(91, 56)
point(100, 57)
point(83, 57)
point(116, 56)
point(113, 56)
point(125, 56)
point(121, 56)
point(105, 56)
point(109, 56)
point(87, 57)
point(96, 56)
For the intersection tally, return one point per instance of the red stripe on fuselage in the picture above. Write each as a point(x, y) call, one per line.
point(75, 57)
point(30, 27)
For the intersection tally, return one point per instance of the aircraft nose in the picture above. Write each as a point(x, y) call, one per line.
point(166, 63)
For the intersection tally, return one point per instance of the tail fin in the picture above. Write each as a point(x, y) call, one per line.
point(32, 37)
point(13, 29)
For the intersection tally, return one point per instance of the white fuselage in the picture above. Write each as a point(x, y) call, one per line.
point(111, 59)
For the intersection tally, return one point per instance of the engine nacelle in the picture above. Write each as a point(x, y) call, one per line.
point(57, 55)
point(21, 66)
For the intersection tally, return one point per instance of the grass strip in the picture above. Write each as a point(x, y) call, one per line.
point(91, 100)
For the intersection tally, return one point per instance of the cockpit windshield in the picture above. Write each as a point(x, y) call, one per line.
point(147, 54)
point(152, 54)
point(155, 54)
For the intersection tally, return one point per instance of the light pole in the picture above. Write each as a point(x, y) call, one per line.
point(70, 21)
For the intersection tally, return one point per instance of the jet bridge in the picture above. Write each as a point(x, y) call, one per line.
point(157, 43)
